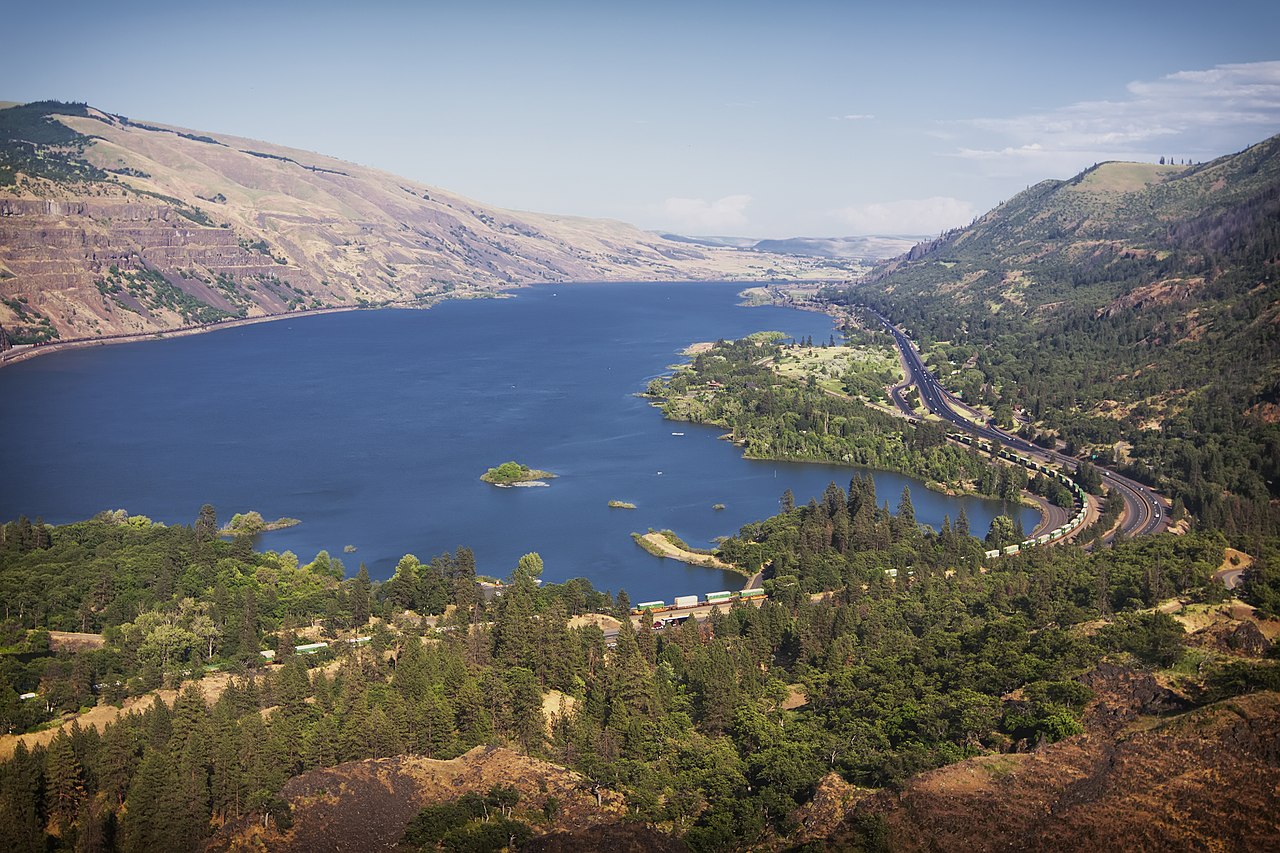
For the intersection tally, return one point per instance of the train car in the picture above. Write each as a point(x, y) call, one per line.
point(1027, 543)
point(648, 605)
point(991, 555)
point(719, 597)
point(1010, 549)
point(1040, 540)
point(751, 594)
point(686, 601)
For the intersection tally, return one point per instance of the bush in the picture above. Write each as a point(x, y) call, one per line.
point(1153, 638)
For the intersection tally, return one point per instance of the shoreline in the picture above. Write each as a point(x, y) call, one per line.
point(17, 356)
point(30, 351)
point(26, 352)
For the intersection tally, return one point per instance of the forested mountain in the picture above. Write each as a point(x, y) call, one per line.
point(110, 225)
point(1130, 311)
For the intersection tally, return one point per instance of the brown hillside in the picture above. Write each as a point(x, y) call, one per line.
point(366, 805)
point(1205, 780)
point(203, 227)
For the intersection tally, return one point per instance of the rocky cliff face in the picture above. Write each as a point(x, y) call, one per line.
point(117, 227)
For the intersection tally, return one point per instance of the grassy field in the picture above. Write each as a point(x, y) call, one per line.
point(840, 369)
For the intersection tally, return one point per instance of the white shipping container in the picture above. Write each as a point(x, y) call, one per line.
point(686, 601)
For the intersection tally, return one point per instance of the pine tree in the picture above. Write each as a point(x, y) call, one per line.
point(250, 637)
point(148, 820)
point(904, 523)
point(360, 603)
point(206, 528)
point(64, 782)
point(20, 796)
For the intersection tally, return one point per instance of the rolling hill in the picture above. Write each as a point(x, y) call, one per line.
point(1130, 312)
point(112, 226)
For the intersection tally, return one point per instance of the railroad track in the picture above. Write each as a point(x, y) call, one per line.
point(1145, 512)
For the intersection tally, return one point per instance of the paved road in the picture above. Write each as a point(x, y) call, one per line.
point(1144, 511)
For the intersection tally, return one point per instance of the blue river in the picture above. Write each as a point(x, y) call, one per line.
point(373, 427)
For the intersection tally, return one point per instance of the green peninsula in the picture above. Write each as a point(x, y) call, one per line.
point(515, 474)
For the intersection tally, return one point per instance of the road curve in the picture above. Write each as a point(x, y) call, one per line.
point(1144, 511)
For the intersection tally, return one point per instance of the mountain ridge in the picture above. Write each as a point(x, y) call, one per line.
point(114, 226)
point(1128, 312)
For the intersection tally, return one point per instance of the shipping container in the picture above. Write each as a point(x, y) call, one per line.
point(686, 601)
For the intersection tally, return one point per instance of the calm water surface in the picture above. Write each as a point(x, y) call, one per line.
point(373, 428)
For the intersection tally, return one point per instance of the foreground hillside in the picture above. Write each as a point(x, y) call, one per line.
point(881, 651)
point(1129, 312)
point(1203, 780)
point(113, 226)
point(1143, 778)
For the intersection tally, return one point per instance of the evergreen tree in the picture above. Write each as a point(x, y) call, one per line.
point(904, 526)
point(21, 789)
point(206, 528)
point(149, 820)
point(359, 592)
point(64, 782)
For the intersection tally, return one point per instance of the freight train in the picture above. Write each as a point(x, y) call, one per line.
point(686, 602)
point(1077, 493)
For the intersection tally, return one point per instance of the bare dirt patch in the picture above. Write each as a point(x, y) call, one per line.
point(557, 704)
point(1198, 617)
point(73, 641)
point(796, 697)
point(600, 620)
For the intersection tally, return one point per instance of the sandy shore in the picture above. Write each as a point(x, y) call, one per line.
point(670, 549)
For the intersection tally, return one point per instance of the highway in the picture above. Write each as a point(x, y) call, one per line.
point(1144, 511)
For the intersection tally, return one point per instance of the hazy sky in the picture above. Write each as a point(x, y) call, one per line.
point(745, 118)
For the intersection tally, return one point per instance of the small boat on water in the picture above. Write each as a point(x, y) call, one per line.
point(677, 433)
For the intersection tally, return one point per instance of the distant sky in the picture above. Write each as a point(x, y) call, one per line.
point(746, 118)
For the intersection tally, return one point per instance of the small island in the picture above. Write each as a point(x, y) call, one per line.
point(510, 474)
point(621, 505)
point(252, 523)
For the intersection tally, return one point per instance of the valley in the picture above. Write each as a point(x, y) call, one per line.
point(977, 551)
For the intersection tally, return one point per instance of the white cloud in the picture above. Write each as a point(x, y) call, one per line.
point(700, 216)
point(1195, 114)
point(907, 216)
point(853, 117)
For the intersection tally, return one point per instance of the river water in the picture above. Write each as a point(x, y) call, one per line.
point(374, 426)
